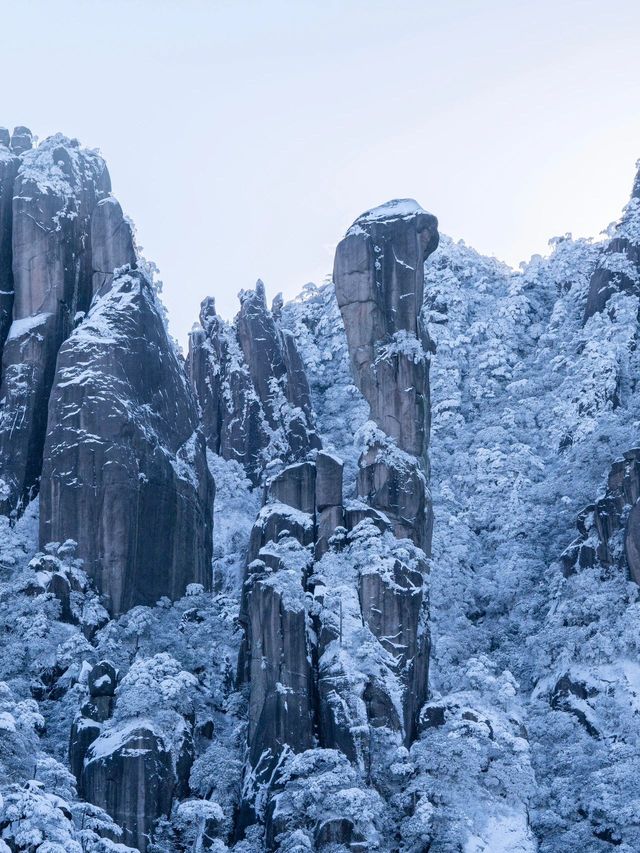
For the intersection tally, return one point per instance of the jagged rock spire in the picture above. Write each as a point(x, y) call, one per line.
point(251, 385)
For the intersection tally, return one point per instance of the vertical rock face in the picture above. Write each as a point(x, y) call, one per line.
point(132, 779)
point(335, 609)
point(619, 266)
point(8, 170)
point(112, 244)
point(251, 385)
point(55, 192)
point(233, 419)
point(122, 448)
point(379, 281)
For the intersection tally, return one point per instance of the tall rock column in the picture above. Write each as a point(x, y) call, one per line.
point(379, 281)
point(8, 169)
point(55, 191)
point(125, 471)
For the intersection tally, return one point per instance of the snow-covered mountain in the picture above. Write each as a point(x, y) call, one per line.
point(360, 573)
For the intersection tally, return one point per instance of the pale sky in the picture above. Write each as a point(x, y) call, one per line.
point(243, 138)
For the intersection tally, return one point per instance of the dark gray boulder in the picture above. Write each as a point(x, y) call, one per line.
point(328, 520)
point(329, 471)
point(21, 140)
point(102, 679)
point(394, 608)
point(398, 488)
point(123, 447)
point(56, 189)
point(277, 656)
point(84, 731)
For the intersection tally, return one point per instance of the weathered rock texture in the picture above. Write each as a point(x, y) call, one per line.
point(251, 385)
point(125, 471)
point(619, 266)
point(8, 169)
point(609, 529)
point(133, 781)
point(55, 191)
point(334, 608)
point(379, 281)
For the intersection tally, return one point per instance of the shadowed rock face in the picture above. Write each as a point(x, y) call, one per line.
point(619, 266)
point(132, 780)
point(251, 385)
point(392, 608)
point(123, 448)
point(54, 193)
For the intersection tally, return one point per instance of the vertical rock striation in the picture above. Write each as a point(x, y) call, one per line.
point(8, 169)
point(379, 281)
point(55, 192)
point(125, 471)
point(335, 607)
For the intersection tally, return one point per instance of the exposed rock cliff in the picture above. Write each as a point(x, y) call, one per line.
point(54, 193)
point(335, 609)
point(379, 281)
point(251, 385)
point(125, 471)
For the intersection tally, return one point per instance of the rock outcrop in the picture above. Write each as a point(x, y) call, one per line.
point(334, 607)
point(379, 281)
point(618, 269)
point(112, 243)
point(8, 169)
point(609, 529)
point(55, 192)
point(251, 386)
point(123, 447)
point(129, 774)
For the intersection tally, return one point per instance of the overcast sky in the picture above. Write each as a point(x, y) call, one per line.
point(244, 137)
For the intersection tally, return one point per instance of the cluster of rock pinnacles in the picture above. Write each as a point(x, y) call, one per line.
point(101, 417)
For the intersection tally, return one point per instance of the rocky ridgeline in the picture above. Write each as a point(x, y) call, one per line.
point(251, 386)
point(95, 412)
point(334, 605)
